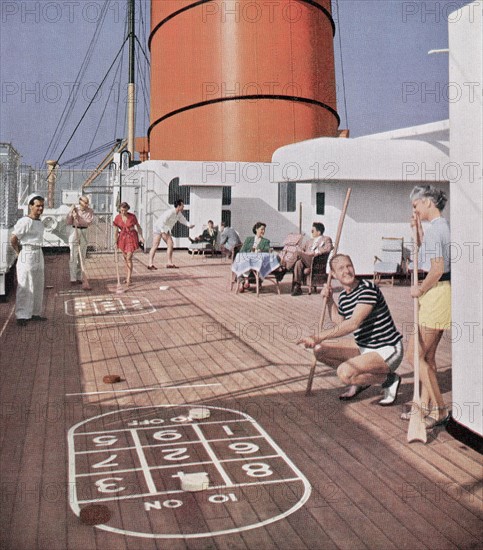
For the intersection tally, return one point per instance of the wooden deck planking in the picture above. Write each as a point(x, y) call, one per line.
point(334, 466)
point(399, 502)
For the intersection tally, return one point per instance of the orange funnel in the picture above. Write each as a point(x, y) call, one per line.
point(233, 80)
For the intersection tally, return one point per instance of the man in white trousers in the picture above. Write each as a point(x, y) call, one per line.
point(26, 239)
point(80, 218)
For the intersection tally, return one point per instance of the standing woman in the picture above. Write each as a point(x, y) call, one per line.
point(434, 294)
point(128, 236)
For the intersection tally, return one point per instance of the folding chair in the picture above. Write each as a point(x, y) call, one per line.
point(316, 275)
point(390, 261)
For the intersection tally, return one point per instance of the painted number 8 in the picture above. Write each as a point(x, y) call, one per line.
point(257, 469)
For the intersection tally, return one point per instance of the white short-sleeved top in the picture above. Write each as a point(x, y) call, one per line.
point(436, 244)
point(29, 231)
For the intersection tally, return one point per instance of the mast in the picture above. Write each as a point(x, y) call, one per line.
point(51, 177)
point(131, 90)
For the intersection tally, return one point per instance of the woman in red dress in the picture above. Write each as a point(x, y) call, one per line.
point(128, 236)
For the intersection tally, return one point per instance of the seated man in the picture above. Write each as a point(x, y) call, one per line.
point(377, 350)
point(319, 244)
point(208, 236)
point(229, 238)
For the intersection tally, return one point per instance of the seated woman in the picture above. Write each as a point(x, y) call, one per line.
point(258, 243)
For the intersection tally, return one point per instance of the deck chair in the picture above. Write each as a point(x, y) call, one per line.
point(202, 247)
point(390, 261)
point(316, 275)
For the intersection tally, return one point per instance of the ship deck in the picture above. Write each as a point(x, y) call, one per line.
point(285, 471)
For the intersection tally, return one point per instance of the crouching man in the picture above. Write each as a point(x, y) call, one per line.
point(377, 350)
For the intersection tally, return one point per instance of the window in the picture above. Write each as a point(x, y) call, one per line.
point(226, 217)
point(287, 197)
point(176, 191)
point(226, 197)
point(180, 230)
point(320, 203)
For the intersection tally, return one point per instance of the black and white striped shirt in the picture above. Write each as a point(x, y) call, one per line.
point(378, 328)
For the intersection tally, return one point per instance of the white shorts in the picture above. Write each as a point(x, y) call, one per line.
point(392, 355)
point(160, 230)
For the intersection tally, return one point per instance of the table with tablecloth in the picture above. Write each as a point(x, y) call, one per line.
point(262, 262)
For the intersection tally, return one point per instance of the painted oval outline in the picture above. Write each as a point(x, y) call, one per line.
point(76, 509)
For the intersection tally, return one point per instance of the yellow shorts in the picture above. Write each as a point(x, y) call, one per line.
point(435, 307)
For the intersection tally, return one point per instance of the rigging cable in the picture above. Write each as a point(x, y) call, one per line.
point(90, 154)
point(118, 69)
point(144, 52)
point(91, 102)
point(119, 90)
point(144, 92)
point(73, 94)
point(342, 65)
point(142, 28)
point(145, 75)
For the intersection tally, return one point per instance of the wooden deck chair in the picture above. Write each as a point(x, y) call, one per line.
point(316, 275)
point(203, 247)
point(270, 277)
point(390, 261)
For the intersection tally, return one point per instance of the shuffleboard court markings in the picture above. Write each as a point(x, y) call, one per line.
point(134, 460)
point(84, 307)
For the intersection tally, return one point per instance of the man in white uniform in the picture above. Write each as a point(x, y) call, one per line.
point(79, 217)
point(162, 230)
point(27, 238)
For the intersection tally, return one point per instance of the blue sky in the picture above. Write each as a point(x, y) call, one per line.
point(390, 80)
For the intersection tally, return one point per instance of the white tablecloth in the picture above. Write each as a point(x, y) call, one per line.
point(263, 262)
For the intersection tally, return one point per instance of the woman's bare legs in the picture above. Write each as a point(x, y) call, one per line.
point(431, 397)
point(128, 262)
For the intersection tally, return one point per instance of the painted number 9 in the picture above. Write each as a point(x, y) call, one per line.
point(244, 448)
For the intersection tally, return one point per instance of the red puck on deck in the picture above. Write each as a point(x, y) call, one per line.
point(111, 379)
point(95, 514)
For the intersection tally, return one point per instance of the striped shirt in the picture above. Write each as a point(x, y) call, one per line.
point(378, 328)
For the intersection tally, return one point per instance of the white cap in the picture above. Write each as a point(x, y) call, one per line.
point(32, 196)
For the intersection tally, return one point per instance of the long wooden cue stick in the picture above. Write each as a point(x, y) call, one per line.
point(417, 425)
point(329, 280)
